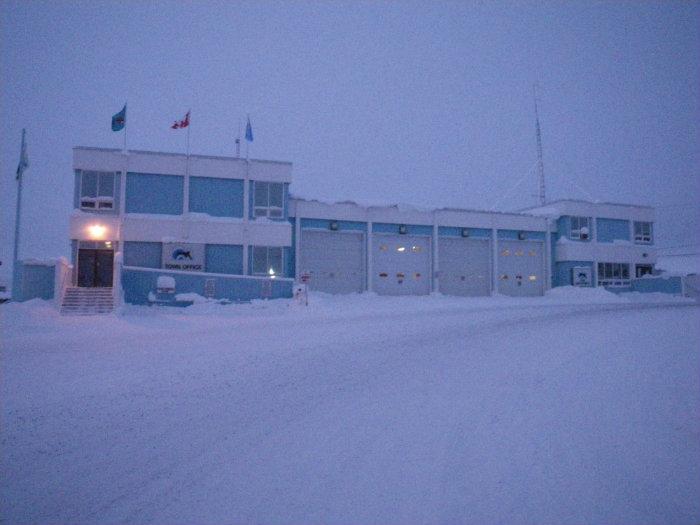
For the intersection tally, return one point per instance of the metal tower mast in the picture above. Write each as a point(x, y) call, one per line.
point(540, 164)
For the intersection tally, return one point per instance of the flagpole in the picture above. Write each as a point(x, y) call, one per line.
point(125, 126)
point(18, 214)
point(188, 134)
point(238, 141)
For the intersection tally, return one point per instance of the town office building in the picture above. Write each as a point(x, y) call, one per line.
point(226, 228)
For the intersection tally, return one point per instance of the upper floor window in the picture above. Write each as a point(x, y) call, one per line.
point(267, 260)
point(269, 199)
point(613, 274)
point(97, 190)
point(642, 232)
point(580, 228)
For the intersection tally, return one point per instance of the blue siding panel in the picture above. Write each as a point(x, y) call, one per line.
point(152, 193)
point(143, 254)
point(216, 197)
point(512, 235)
point(411, 229)
point(288, 262)
point(563, 227)
point(224, 258)
point(251, 200)
point(454, 231)
point(325, 224)
point(33, 281)
point(609, 230)
point(671, 285)
point(138, 283)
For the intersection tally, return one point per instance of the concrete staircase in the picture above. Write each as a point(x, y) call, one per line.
point(87, 301)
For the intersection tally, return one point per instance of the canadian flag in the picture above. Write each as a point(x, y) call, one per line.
point(182, 123)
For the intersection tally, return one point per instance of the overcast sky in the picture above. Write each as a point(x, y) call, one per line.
point(427, 103)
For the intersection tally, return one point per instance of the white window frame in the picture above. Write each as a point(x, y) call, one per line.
point(606, 275)
point(268, 267)
point(267, 210)
point(99, 202)
point(645, 235)
point(581, 222)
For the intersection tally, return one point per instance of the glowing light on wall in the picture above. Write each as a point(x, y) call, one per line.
point(97, 231)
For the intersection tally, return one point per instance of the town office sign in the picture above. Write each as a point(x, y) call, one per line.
point(181, 256)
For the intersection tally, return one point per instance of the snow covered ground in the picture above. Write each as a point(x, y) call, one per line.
point(581, 407)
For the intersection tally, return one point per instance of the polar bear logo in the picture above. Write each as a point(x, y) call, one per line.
point(181, 254)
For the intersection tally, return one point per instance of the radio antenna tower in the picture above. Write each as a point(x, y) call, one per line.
point(540, 164)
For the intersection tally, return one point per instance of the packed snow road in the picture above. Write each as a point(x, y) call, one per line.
point(442, 414)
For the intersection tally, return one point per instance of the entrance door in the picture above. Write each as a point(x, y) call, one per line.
point(95, 268)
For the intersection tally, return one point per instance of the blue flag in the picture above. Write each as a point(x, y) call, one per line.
point(119, 120)
point(249, 131)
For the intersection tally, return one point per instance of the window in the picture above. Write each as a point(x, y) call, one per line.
point(643, 269)
point(613, 274)
point(642, 232)
point(97, 190)
point(269, 199)
point(267, 261)
point(580, 228)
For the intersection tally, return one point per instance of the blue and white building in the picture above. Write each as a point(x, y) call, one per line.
point(147, 224)
point(218, 225)
point(600, 244)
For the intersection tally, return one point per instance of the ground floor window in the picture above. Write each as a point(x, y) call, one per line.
point(267, 260)
point(643, 269)
point(613, 274)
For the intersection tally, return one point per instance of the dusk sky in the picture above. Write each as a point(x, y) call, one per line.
point(425, 103)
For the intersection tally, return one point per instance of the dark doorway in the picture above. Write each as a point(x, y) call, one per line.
point(95, 268)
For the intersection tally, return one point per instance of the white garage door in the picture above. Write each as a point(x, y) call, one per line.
point(335, 260)
point(401, 264)
point(465, 266)
point(520, 268)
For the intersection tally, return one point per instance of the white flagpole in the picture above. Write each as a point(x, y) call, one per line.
point(18, 214)
point(189, 123)
point(238, 141)
point(125, 125)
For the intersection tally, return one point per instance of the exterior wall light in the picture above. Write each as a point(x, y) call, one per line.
point(333, 225)
point(402, 229)
point(465, 232)
point(522, 236)
point(271, 273)
point(97, 231)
